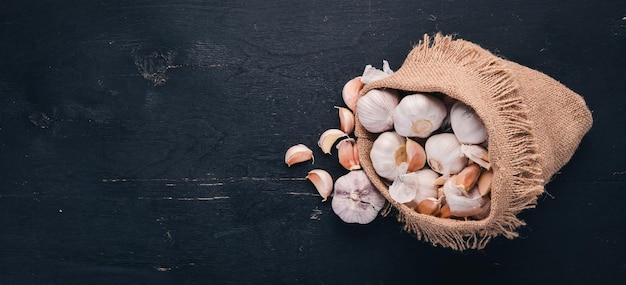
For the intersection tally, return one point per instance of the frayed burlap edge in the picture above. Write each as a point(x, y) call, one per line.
point(435, 65)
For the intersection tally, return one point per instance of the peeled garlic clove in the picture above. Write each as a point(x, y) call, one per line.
point(298, 153)
point(388, 155)
point(418, 115)
point(484, 182)
point(429, 206)
point(443, 153)
point(350, 92)
point(371, 74)
point(375, 110)
point(323, 182)
point(328, 139)
point(356, 199)
point(346, 120)
point(477, 154)
point(466, 179)
point(466, 125)
point(346, 154)
point(461, 205)
point(416, 155)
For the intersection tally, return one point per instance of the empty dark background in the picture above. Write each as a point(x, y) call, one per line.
point(142, 142)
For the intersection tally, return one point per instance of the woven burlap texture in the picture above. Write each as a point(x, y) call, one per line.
point(534, 123)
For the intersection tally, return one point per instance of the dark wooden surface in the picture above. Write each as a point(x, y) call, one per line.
point(142, 142)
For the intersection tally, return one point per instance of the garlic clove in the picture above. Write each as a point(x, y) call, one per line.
point(443, 154)
point(356, 199)
point(461, 205)
point(298, 153)
point(322, 181)
point(477, 154)
point(418, 115)
point(350, 92)
point(444, 212)
point(484, 182)
point(416, 155)
point(346, 120)
point(355, 154)
point(328, 139)
point(375, 110)
point(429, 206)
point(388, 155)
point(466, 179)
point(466, 125)
point(346, 154)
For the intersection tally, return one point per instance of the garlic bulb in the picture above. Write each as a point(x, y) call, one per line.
point(356, 199)
point(462, 205)
point(466, 125)
point(443, 153)
point(418, 115)
point(388, 155)
point(375, 110)
point(414, 186)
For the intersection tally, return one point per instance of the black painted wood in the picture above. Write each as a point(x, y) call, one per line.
point(142, 142)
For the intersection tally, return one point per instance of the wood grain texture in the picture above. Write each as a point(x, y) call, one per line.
point(142, 142)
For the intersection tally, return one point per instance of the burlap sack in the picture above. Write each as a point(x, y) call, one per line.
point(534, 124)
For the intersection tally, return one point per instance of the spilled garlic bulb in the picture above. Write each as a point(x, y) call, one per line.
point(356, 199)
point(375, 110)
point(418, 115)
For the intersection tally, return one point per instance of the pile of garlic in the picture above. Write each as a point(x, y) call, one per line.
point(354, 198)
point(431, 149)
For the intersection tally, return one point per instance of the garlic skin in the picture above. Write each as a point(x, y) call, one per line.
point(461, 205)
point(322, 181)
point(443, 153)
point(388, 155)
point(371, 74)
point(414, 186)
point(375, 110)
point(419, 115)
point(466, 125)
point(356, 199)
point(298, 153)
point(477, 154)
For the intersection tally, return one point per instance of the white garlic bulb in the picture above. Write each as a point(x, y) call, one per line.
point(418, 115)
point(414, 186)
point(356, 199)
point(466, 125)
point(443, 154)
point(375, 109)
point(388, 155)
point(462, 205)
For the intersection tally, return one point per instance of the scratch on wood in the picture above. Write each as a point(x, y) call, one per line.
point(186, 198)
